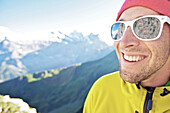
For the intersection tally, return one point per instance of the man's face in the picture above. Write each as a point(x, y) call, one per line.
point(150, 58)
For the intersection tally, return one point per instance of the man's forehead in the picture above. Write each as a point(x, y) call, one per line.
point(135, 12)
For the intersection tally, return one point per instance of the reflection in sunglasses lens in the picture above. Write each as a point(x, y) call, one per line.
point(147, 28)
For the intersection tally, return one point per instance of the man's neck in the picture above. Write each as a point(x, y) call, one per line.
point(156, 81)
point(159, 78)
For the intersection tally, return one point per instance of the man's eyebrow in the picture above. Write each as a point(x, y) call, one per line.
point(121, 19)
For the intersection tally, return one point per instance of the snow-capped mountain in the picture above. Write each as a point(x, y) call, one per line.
point(20, 57)
point(11, 54)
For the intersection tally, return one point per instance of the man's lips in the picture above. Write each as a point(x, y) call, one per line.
point(133, 58)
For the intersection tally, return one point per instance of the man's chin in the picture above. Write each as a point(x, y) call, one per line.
point(131, 78)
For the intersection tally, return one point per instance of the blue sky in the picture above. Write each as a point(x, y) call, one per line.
point(85, 16)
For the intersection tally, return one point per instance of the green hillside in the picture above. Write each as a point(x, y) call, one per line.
point(59, 91)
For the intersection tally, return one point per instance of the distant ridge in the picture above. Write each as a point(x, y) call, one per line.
point(61, 50)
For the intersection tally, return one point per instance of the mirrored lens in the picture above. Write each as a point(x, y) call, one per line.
point(117, 30)
point(147, 28)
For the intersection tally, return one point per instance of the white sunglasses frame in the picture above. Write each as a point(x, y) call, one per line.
point(162, 18)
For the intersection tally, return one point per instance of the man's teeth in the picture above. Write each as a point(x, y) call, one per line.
point(133, 58)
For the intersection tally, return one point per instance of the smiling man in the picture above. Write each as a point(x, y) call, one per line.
point(141, 37)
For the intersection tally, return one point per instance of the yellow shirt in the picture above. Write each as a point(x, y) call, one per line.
point(110, 94)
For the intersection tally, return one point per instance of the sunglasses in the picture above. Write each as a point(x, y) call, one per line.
point(144, 28)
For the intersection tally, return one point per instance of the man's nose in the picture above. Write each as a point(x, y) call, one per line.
point(129, 40)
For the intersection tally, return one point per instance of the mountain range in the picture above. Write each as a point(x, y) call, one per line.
point(60, 91)
point(21, 57)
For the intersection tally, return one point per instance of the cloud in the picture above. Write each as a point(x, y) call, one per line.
point(6, 32)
